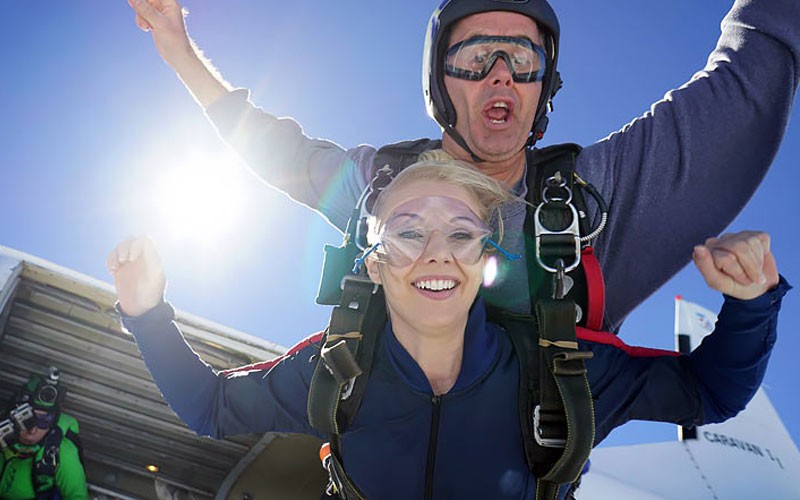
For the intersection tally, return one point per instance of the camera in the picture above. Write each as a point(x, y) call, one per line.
point(20, 418)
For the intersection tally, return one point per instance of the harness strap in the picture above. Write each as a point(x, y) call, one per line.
point(337, 370)
point(562, 422)
point(343, 370)
point(545, 425)
point(595, 290)
point(541, 165)
point(44, 469)
point(340, 483)
point(572, 405)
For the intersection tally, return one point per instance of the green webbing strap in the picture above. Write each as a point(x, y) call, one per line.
point(563, 420)
point(571, 408)
point(337, 367)
point(342, 372)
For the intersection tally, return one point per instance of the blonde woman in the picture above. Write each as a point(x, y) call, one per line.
point(439, 416)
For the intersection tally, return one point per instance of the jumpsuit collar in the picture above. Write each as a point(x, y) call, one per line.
point(480, 349)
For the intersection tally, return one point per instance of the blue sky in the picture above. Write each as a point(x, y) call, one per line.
point(96, 128)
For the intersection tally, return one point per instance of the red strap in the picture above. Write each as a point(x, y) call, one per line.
point(267, 365)
point(595, 289)
point(614, 341)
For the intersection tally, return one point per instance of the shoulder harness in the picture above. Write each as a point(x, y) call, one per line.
point(48, 458)
point(566, 288)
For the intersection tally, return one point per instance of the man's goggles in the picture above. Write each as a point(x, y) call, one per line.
point(473, 58)
point(42, 420)
point(433, 220)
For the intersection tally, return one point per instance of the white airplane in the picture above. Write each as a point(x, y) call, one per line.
point(751, 456)
point(136, 448)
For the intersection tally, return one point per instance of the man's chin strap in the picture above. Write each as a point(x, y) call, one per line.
point(453, 133)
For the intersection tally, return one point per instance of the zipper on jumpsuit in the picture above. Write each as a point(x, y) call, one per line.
point(429, 468)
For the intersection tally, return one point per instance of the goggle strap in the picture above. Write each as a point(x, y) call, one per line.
point(505, 253)
point(360, 261)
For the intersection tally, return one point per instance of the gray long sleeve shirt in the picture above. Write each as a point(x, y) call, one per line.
point(697, 155)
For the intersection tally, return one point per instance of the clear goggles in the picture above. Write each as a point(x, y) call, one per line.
point(418, 224)
point(473, 58)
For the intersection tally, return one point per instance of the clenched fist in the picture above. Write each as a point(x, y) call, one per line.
point(138, 275)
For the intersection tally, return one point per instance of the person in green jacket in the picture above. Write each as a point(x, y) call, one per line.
point(41, 459)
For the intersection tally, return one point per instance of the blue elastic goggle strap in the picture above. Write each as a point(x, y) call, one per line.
point(505, 253)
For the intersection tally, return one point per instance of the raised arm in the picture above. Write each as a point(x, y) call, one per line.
point(688, 166)
point(271, 397)
point(317, 173)
point(717, 379)
point(729, 366)
point(165, 20)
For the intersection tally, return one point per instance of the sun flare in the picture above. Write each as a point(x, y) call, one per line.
point(199, 200)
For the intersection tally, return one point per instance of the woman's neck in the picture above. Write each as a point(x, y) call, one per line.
point(437, 350)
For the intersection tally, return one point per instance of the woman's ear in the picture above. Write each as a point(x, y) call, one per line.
point(372, 269)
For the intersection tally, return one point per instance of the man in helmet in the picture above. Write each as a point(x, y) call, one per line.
point(489, 73)
point(42, 459)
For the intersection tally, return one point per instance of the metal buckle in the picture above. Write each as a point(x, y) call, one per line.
point(340, 362)
point(541, 440)
point(557, 192)
point(572, 230)
point(354, 305)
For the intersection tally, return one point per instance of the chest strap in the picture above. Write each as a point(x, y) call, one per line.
point(557, 410)
point(44, 469)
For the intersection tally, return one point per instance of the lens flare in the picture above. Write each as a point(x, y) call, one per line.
point(490, 271)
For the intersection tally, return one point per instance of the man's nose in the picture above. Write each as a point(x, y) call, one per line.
point(500, 73)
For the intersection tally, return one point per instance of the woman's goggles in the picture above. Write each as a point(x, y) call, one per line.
point(416, 225)
point(473, 58)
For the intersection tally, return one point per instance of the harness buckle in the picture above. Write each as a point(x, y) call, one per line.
point(571, 363)
point(360, 279)
point(51, 457)
point(340, 362)
point(326, 459)
point(547, 442)
point(563, 242)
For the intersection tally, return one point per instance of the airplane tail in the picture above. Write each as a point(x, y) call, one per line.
point(749, 456)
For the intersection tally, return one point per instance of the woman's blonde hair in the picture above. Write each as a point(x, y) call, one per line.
point(437, 165)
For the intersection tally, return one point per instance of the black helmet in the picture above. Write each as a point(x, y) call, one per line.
point(437, 101)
